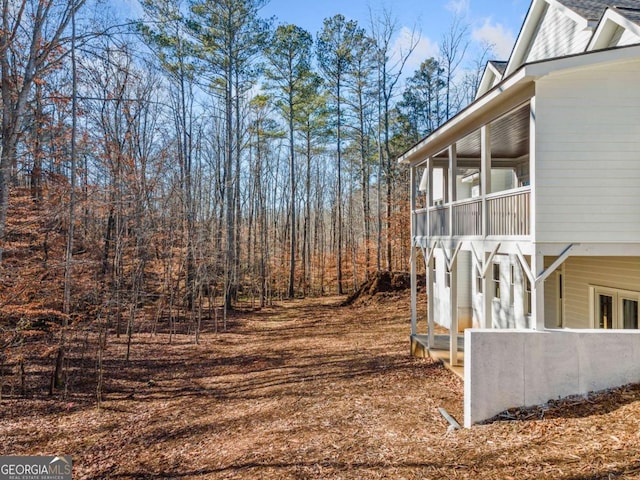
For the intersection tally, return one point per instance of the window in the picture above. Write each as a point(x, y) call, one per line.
point(527, 296)
point(478, 282)
point(615, 308)
point(629, 313)
point(496, 280)
point(560, 300)
point(605, 311)
point(522, 172)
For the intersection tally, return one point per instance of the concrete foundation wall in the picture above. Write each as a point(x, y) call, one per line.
point(513, 368)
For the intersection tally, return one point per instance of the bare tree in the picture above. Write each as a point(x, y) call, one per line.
point(453, 48)
point(390, 69)
point(30, 37)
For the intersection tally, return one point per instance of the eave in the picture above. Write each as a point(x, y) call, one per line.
point(514, 90)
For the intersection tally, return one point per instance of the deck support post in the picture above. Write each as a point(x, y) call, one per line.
point(414, 290)
point(452, 184)
point(431, 324)
point(414, 254)
point(429, 195)
point(485, 189)
point(453, 301)
point(485, 176)
point(537, 291)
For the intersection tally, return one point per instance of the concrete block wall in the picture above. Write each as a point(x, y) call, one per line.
point(513, 368)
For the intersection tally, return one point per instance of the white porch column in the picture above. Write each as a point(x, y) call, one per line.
point(429, 194)
point(430, 183)
point(485, 189)
point(414, 254)
point(485, 174)
point(537, 291)
point(431, 324)
point(532, 169)
point(413, 173)
point(452, 183)
point(453, 301)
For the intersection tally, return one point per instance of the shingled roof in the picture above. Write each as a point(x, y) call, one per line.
point(594, 9)
point(632, 14)
point(498, 65)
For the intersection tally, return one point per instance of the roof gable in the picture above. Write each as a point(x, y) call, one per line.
point(492, 76)
point(592, 10)
point(616, 28)
point(551, 29)
point(555, 28)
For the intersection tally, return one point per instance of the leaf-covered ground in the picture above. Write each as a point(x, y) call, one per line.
point(303, 390)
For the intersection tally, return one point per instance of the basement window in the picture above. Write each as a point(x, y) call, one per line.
point(527, 296)
point(496, 280)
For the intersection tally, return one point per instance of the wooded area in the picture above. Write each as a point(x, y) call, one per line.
point(200, 158)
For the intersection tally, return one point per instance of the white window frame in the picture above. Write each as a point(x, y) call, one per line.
point(497, 282)
point(560, 279)
point(527, 296)
point(619, 296)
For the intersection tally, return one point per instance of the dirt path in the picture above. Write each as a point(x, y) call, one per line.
point(303, 390)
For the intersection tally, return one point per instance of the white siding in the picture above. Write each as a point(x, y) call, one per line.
point(551, 301)
point(476, 297)
point(621, 273)
point(465, 315)
point(508, 311)
point(628, 38)
point(616, 37)
point(557, 35)
point(438, 185)
point(588, 155)
point(442, 306)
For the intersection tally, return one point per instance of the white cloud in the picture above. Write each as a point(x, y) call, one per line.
point(496, 35)
point(459, 7)
point(424, 49)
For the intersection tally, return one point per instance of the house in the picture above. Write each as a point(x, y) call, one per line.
point(526, 212)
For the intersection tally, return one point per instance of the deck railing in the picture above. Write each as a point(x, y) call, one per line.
point(467, 217)
point(508, 214)
point(420, 222)
point(439, 221)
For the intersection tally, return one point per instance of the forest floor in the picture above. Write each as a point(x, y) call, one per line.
point(306, 389)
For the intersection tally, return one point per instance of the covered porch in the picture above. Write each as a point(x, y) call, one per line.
point(479, 185)
point(471, 199)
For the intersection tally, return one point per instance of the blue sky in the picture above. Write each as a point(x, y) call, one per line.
point(494, 21)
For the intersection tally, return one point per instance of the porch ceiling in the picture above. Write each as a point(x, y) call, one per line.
point(509, 138)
